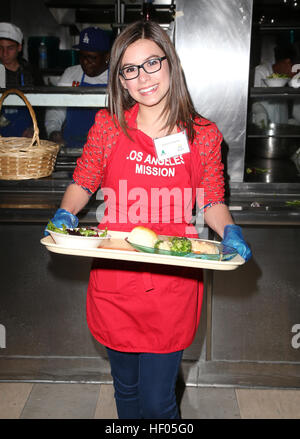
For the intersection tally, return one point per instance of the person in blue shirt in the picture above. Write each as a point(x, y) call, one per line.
point(69, 126)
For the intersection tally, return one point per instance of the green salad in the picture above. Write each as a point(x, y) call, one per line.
point(77, 231)
point(277, 75)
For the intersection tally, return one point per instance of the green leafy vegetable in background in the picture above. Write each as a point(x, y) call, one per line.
point(295, 203)
point(256, 170)
point(277, 75)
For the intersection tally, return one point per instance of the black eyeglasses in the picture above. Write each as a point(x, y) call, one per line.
point(151, 66)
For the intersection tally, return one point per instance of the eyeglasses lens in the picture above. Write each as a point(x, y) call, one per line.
point(151, 66)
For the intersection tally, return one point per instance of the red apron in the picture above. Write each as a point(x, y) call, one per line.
point(136, 307)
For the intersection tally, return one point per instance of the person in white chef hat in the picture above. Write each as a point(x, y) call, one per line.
point(10, 45)
point(18, 73)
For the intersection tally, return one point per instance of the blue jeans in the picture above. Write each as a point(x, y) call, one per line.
point(145, 384)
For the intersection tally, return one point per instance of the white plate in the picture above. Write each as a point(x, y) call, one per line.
point(75, 241)
point(276, 82)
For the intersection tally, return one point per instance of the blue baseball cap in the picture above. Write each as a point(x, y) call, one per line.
point(93, 39)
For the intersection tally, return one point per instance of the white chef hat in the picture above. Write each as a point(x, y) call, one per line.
point(11, 32)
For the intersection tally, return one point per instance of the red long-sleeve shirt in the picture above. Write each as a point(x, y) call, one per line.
point(207, 167)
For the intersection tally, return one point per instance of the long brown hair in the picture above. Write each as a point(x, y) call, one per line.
point(179, 106)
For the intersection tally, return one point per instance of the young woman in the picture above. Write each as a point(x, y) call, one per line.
point(147, 315)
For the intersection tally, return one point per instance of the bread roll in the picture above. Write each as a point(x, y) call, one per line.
point(142, 236)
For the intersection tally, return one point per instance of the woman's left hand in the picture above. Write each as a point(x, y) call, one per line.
point(233, 238)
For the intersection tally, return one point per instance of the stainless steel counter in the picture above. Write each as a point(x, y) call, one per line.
point(250, 203)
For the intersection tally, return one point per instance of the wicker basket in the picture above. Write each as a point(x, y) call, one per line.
point(22, 158)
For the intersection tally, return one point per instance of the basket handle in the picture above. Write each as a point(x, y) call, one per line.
point(35, 137)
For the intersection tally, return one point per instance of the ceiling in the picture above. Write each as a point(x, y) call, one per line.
point(276, 12)
point(105, 11)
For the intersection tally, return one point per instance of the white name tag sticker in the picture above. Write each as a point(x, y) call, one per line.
point(171, 146)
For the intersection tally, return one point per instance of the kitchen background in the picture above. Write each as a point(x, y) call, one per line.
point(246, 330)
point(218, 61)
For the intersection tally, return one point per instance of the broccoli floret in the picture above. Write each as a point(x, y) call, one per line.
point(181, 245)
point(157, 244)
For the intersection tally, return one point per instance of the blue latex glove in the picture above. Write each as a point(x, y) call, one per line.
point(61, 217)
point(233, 238)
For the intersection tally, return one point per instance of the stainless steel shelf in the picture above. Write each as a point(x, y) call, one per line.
point(275, 92)
point(265, 136)
point(61, 97)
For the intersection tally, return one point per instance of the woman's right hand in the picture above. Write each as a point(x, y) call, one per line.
point(61, 217)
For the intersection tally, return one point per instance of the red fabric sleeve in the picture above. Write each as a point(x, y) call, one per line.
point(211, 178)
point(214, 169)
point(91, 165)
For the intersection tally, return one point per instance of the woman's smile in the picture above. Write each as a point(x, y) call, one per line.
point(149, 90)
